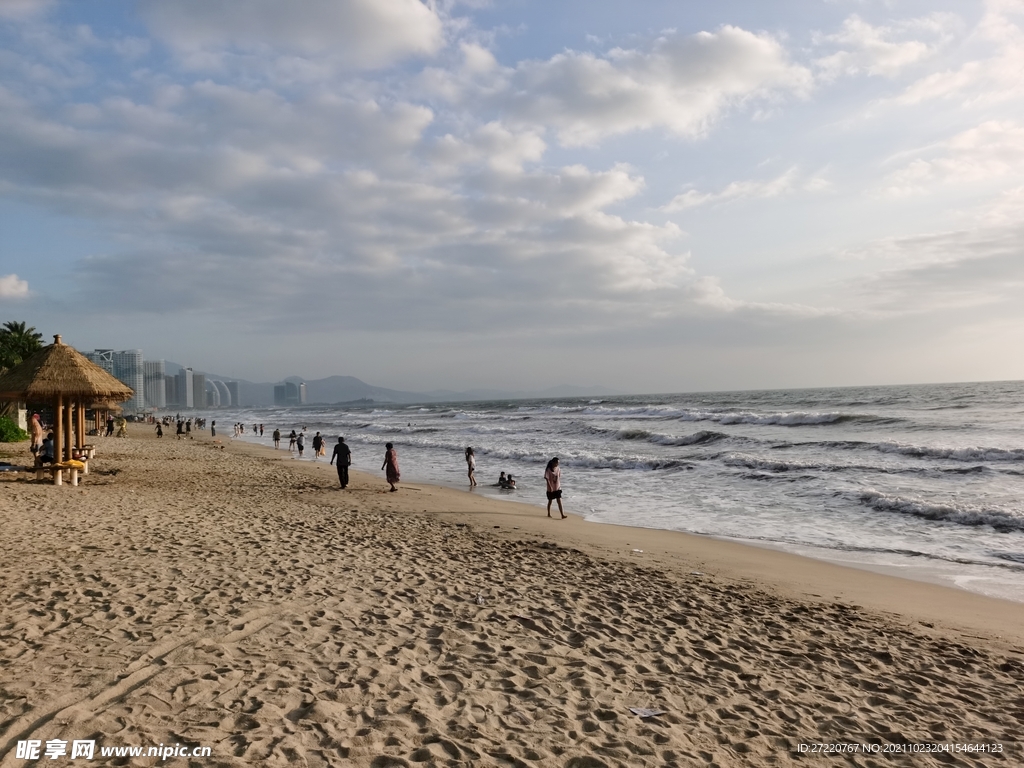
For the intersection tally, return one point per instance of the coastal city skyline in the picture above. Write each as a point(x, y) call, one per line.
point(670, 197)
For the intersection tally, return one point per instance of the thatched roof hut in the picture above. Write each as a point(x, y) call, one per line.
point(62, 375)
point(60, 370)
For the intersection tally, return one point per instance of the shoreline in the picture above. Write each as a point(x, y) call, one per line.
point(691, 543)
point(800, 576)
point(212, 593)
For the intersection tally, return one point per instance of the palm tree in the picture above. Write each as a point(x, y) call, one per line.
point(17, 341)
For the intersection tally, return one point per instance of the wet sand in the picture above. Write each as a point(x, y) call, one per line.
point(221, 594)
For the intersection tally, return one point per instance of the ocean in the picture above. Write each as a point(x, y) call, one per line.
point(924, 481)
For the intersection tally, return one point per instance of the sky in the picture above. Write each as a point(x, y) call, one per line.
point(647, 196)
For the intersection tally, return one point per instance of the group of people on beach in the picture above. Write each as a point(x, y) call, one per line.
point(505, 481)
point(257, 429)
point(342, 458)
point(552, 478)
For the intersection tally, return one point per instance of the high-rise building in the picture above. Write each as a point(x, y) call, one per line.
point(233, 389)
point(186, 394)
point(171, 388)
point(290, 393)
point(199, 390)
point(104, 358)
point(223, 394)
point(156, 388)
point(126, 366)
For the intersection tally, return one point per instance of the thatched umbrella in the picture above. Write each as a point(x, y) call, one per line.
point(62, 375)
point(100, 410)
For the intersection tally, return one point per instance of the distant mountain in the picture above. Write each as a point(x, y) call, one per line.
point(347, 389)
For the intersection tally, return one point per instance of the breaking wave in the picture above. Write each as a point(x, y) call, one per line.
point(961, 514)
point(697, 438)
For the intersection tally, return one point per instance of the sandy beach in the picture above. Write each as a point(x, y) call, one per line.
point(221, 594)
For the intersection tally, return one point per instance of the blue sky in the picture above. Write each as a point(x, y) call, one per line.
point(649, 196)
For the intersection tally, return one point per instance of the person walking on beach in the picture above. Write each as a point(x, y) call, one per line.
point(553, 478)
point(390, 466)
point(291, 441)
point(471, 463)
point(110, 426)
point(318, 444)
point(181, 429)
point(300, 442)
point(277, 438)
point(159, 429)
point(213, 428)
point(344, 457)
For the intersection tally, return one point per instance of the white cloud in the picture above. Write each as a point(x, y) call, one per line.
point(994, 75)
point(493, 144)
point(786, 183)
point(682, 84)
point(362, 33)
point(12, 288)
point(985, 153)
point(882, 50)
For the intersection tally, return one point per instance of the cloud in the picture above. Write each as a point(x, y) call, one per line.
point(361, 33)
point(882, 50)
point(786, 183)
point(682, 84)
point(938, 272)
point(23, 9)
point(984, 153)
point(285, 200)
point(12, 288)
point(990, 78)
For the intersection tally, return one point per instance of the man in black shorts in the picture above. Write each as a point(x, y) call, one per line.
point(344, 457)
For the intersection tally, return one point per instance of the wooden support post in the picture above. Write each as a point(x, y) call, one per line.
point(58, 429)
point(80, 424)
point(68, 426)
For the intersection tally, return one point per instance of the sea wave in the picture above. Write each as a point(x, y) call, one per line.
point(776, 465)
point(783, 419)
point(964, 453)
point(697, 438)
point(1001, 520)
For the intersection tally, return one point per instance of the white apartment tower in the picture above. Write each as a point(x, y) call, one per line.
point(185, 391)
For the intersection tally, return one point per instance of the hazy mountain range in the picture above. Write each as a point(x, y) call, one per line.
point(346, 389)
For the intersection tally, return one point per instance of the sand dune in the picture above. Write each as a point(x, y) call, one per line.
point(188, 593)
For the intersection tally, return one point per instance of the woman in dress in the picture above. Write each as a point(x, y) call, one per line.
point(553, 478)
point(471, 463)
point(390, 466)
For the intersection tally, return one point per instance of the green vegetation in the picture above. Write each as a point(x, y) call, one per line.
point(9, 431)
point(17, 341)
